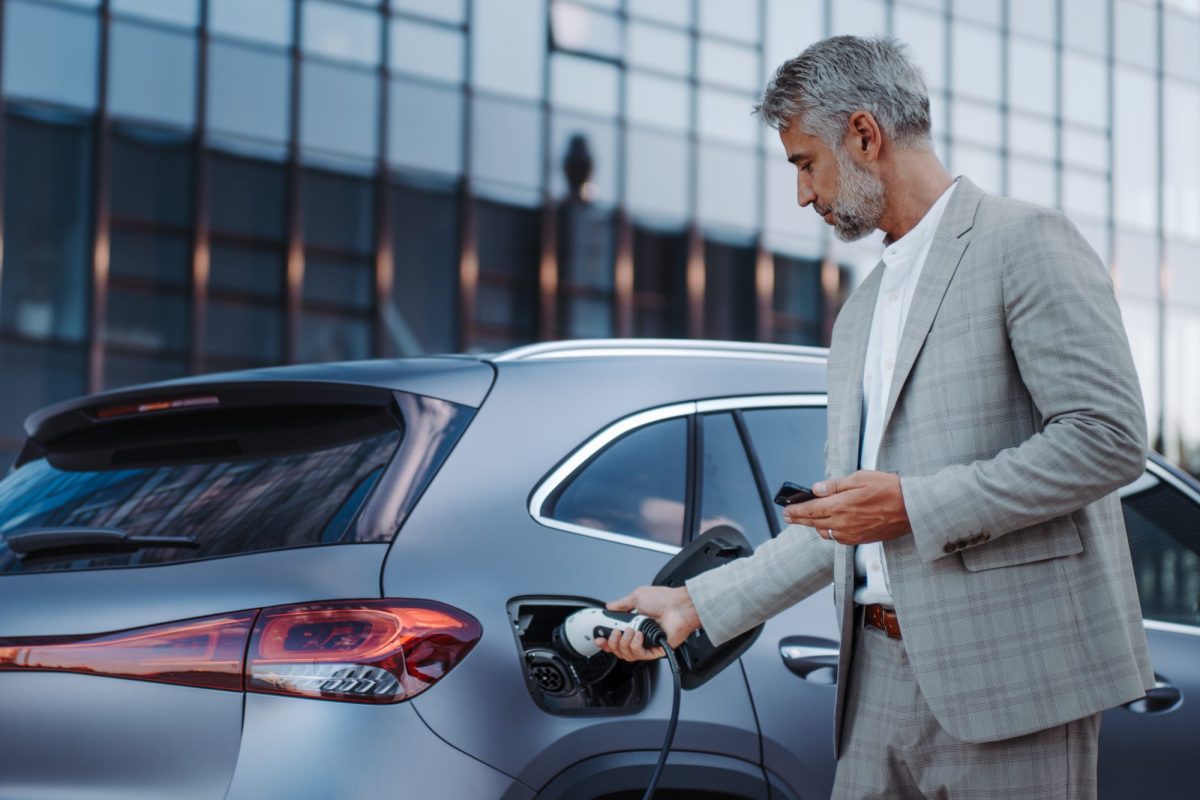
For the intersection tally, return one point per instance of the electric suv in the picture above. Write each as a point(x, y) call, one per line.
point(343, 581)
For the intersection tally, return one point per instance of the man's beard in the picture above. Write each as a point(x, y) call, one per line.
point(858, 206)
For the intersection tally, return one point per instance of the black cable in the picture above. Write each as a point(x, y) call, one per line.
point(655, 636)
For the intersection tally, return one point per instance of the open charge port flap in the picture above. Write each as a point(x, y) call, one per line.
point(602, 684)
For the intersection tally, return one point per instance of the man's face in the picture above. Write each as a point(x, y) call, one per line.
point(845, 194)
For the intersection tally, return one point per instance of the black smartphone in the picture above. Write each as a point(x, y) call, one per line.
point(791, 493)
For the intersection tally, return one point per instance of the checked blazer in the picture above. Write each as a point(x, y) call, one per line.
point(1014, 415)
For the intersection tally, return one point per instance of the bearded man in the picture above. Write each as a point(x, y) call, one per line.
point(983, 410)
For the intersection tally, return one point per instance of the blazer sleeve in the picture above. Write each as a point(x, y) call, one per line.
point(1069, 344)
point(735, 597)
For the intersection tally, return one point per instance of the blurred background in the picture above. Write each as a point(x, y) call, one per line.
point(200, 185)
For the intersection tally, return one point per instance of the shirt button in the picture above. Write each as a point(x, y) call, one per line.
point(893, 295)
point(889, 363)
point(874, 567)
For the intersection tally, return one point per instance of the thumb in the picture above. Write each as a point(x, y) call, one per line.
point(626, 603)
point(826, 487)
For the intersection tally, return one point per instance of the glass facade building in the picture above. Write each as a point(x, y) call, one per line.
point(198, 185)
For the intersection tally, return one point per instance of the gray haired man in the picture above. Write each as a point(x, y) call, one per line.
point(983, 409)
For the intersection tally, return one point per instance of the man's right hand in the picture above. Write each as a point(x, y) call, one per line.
point(671, 608)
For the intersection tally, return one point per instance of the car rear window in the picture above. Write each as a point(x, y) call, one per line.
point(234, 483)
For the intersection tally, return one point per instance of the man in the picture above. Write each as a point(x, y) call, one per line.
point(983, 409)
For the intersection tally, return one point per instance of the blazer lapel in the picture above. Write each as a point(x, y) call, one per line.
point(949, 244)
point(856, 359)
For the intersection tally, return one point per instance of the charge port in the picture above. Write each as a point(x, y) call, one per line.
point(602, 684)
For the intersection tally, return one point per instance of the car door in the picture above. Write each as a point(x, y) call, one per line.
point(792, 669)
point(1148, 747)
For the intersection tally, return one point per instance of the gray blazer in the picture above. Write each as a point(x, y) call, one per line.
point(1015, 414)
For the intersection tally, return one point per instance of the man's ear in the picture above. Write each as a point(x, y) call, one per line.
point(863, 136)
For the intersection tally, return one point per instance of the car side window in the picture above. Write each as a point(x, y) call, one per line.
point(1164, 539)
point(790, 445)
point(728, 493)
point(636, 486)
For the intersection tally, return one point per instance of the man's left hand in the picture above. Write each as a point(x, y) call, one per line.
point(866, 506)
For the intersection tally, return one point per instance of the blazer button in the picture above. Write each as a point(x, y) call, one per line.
point(949, 548)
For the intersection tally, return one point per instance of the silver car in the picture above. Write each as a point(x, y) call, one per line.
point(343, 580)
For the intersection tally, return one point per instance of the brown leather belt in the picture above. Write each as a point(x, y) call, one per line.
point(883, 618)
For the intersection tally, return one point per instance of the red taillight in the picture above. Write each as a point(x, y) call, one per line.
point(150, 406)
point(206, 652)
point(372, 651)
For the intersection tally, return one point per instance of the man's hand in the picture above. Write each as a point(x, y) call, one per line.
point(866, 506)
point(671, 608)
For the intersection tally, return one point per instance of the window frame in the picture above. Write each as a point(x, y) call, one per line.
point(578, 459)
point(1168, 476)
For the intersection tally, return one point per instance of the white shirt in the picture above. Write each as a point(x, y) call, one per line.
point(903, 260)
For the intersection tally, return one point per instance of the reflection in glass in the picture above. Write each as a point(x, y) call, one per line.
point(144, 319)
point(47, 230)
point(243, 334)
point(427, 50)
point(730, 299)
point(1035, 18)
point(585, 30)
point(661, 102)
point(444, 10)
point(659, 282)
point(790, 443)
point(1181, 184)
point(179, 12)
point(584, 84)
point(425, 127)
point(601, 135)
point(1031, 180)
point(724, 116)
point(342, 33)
point(796, 304)
point(507, 142)
point(976, 60)
point(658, 48)
point(1181, 53)
point(674, 12)
point(508, 43)
point(1085, 90)
point(339, 110)
point(36, 375)
point(925, 35)
point(268, 21)
point(509, 245)
point(730, 495)
point(1031, 76)
point(152, 74)
point(728, 187)
point(248, 91)
point(859, 17)
point(1031, 136)
point(729, 65)
point(1085, 193)
point(326, 336)
point(732, 20)
point(656, 173)
point(425, 285)
point(1136, 33)
point(50, 54)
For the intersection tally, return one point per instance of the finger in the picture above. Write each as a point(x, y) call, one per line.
point(826, 487)
point(626, 603)
point(638, 645)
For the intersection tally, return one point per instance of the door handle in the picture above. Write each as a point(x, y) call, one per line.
point(1159, 699)
point(812, 658)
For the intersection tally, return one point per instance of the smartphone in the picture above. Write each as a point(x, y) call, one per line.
point(791, 493)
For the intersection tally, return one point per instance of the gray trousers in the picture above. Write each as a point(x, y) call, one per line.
point(894, 748)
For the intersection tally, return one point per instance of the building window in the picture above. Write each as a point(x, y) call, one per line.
point(729, 293)
point(147, 327)
point(796, 301)
point(423, 316)
point(339, 267)
point(506, 299)
point(659, 283)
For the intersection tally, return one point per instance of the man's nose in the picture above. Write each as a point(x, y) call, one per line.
point(804, 195)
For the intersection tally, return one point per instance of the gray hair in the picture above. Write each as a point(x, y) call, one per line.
point(838, 76)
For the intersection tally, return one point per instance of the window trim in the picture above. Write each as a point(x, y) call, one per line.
point(583, 454)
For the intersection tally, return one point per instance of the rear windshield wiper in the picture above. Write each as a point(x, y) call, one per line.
point(40, 541)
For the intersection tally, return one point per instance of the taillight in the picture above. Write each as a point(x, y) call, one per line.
point(204, 652)
point(371, 651)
